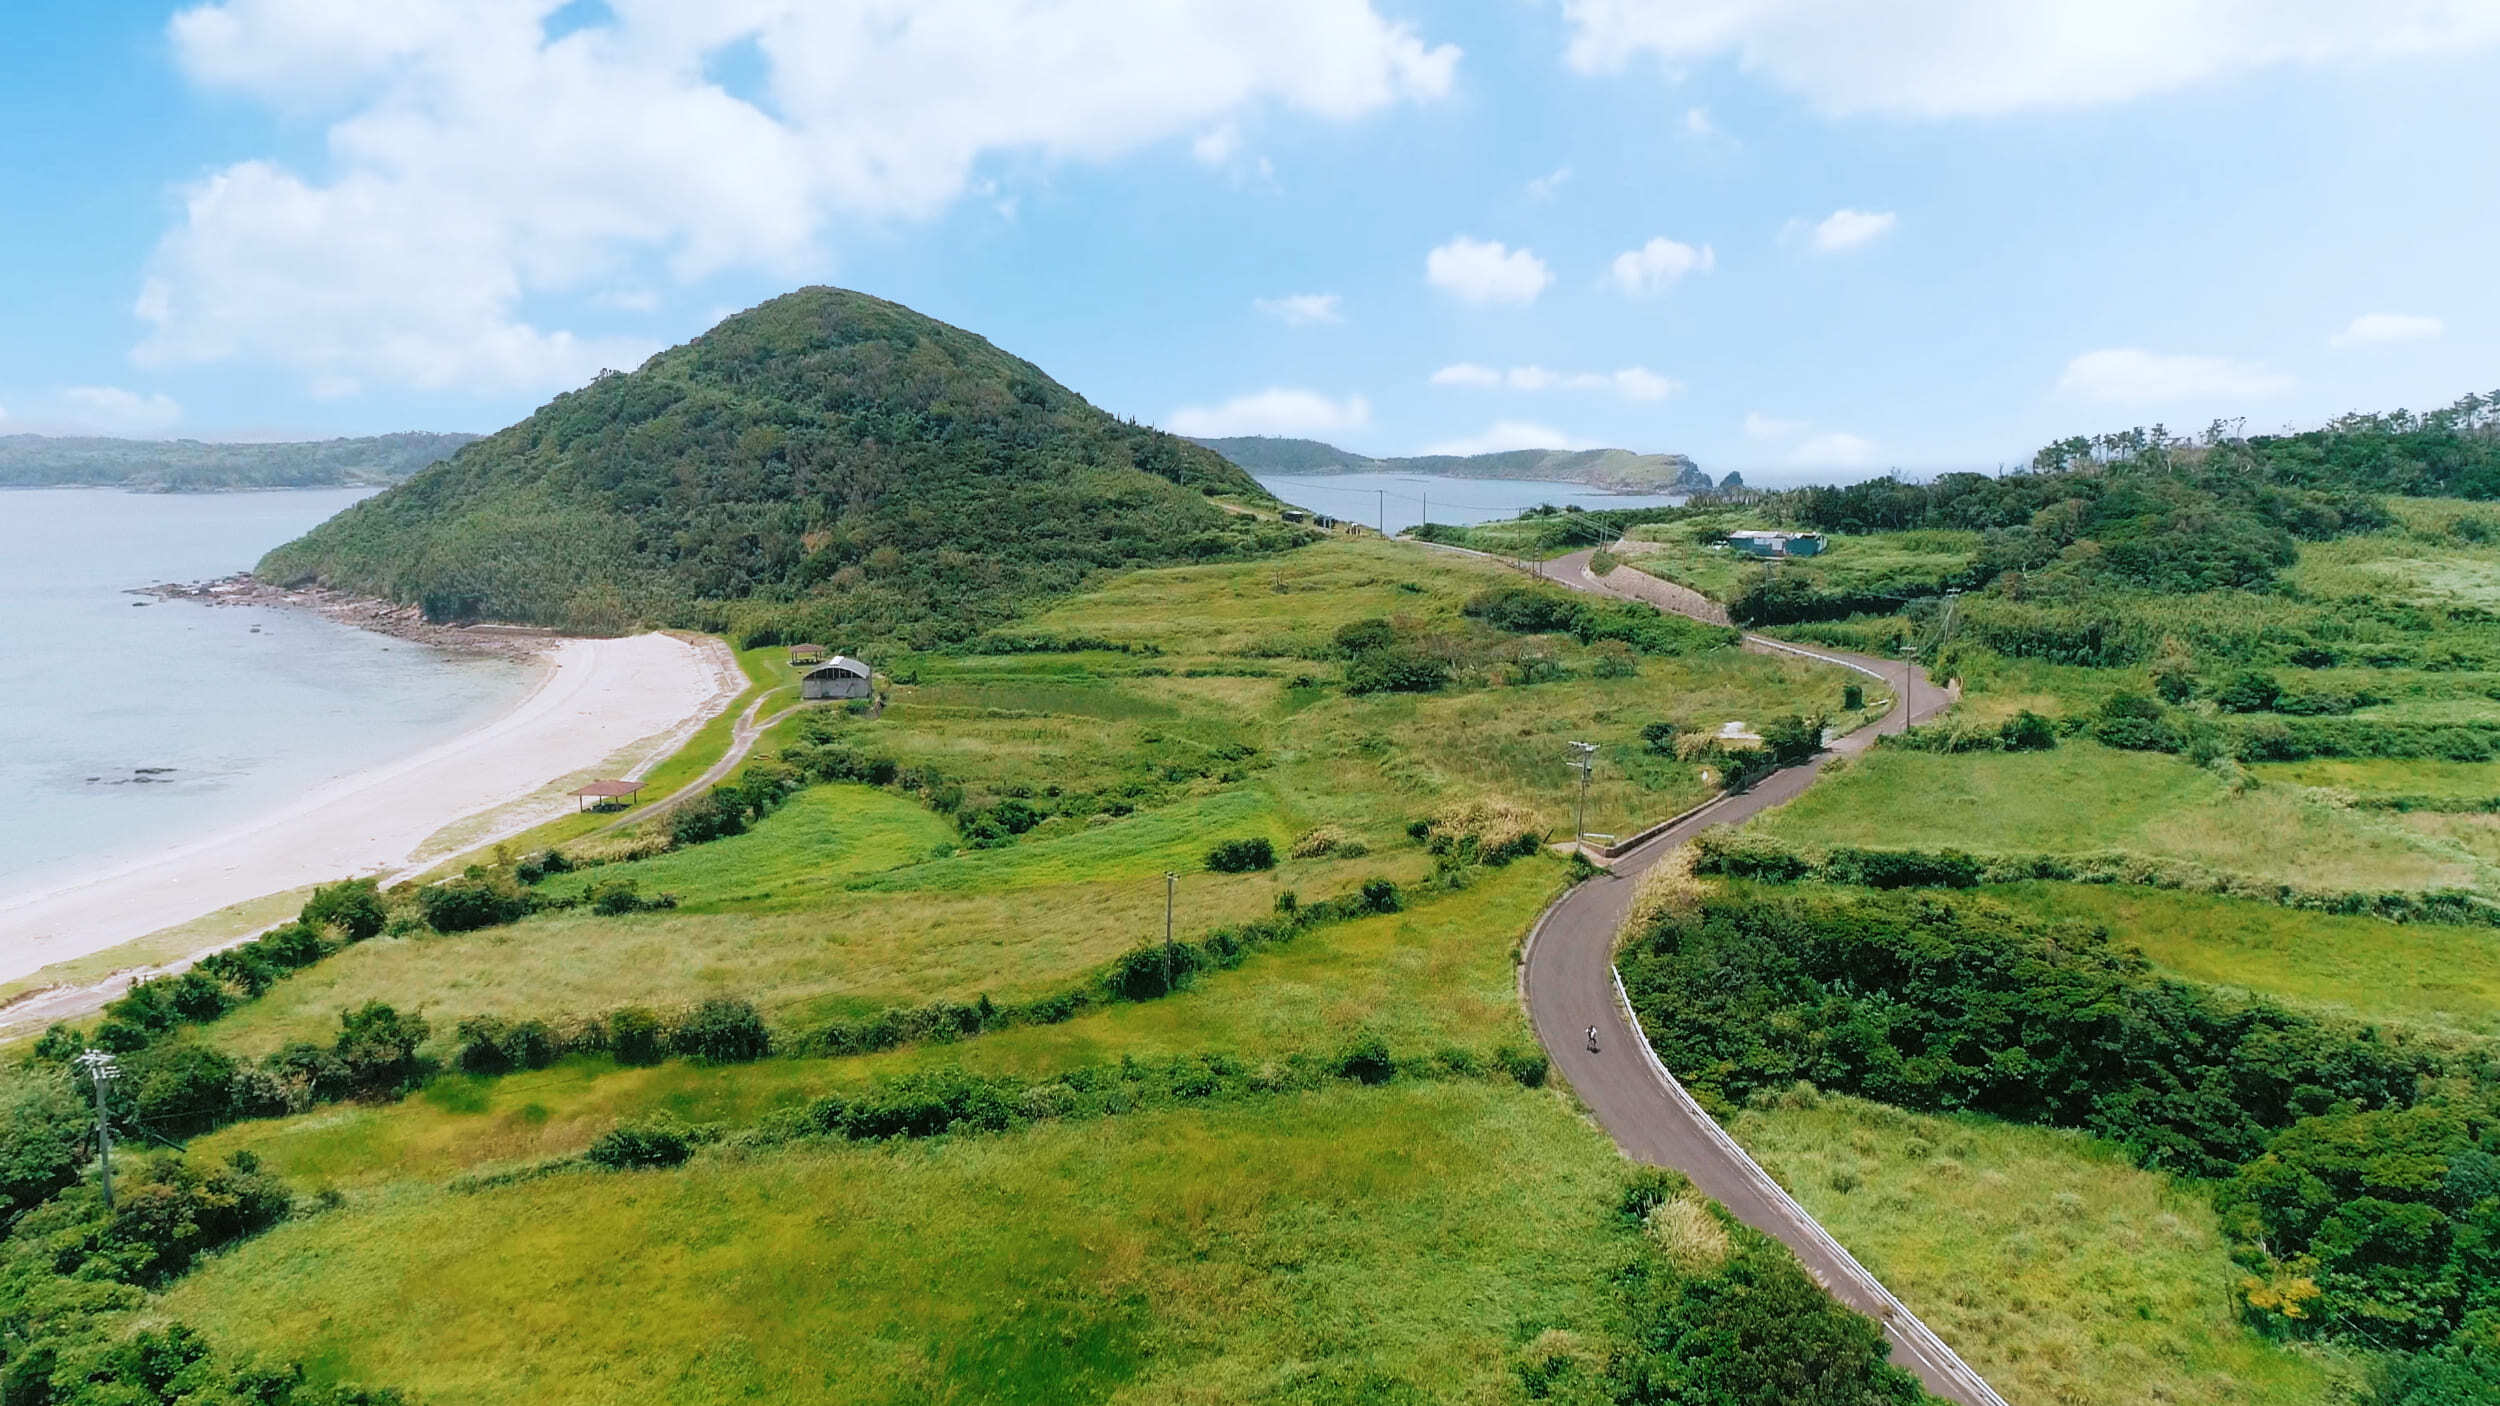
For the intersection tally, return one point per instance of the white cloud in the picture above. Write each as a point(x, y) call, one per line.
point(119, 411)
point(2378, 328)
point(1840, 230)
point(1952, 58)
point(1277, 411)
point(1761, 426)
point(473, 167)
point(1545, 186)
point(1697, 123)
point(1631, 382)
point(1657, 266)
point(1505, 435)
point(1218, 145)
point(1303, 309)
point(1834, 450)
point(1468, 373)
point(1486, 271)
point(2134, 376)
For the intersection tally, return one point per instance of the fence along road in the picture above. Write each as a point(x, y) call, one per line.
point(1568, 980)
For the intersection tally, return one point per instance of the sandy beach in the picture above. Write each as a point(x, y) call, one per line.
point(611, 703)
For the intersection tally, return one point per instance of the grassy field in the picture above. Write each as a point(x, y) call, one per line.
point(2082, 797)
point(1361, 1245)
point(1439, 974)
point(1675, 552)
point(2421, 561)
point(2064, 1274)
point(2414, 974)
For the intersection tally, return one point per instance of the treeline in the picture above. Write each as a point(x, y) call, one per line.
point(2357, 1166)
point(827, 465)
point(190, 466)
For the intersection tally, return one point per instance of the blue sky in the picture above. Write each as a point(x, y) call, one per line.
point(1801, 238)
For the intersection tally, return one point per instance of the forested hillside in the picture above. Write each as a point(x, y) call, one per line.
point(190, 466)
point(1620, 469)
point(827, 464)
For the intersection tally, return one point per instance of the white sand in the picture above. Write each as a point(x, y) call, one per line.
point(600, 704)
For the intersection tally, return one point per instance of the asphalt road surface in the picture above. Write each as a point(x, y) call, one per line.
point(1569, 984)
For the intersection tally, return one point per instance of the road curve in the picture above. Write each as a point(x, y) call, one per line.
point(1568, 982)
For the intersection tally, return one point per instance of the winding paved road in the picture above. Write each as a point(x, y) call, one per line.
point(1568, 981)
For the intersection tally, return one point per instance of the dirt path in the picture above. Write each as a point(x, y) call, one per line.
point(743, 735)
point(1568, 981)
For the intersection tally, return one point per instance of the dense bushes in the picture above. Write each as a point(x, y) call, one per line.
point(1537, 610)
point(1742, 855)
point(1936, 1003)
point(2363, 1169)
point(1242, 856)
point(467, 904)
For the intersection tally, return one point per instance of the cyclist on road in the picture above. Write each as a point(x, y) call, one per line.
point(1592, 1039)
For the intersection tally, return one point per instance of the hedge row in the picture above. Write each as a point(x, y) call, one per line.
point(1737, 855)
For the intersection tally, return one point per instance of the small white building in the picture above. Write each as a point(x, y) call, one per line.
point(1777, 544)
point(838, 677)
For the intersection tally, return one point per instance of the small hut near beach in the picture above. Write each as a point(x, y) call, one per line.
point(838, 677)
point(805, 654)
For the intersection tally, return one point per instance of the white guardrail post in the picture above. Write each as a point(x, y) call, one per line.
point(1897, 1315)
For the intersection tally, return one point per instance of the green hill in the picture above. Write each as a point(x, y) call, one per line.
point(827, 464)
point(191, 466)
point(1619, 469)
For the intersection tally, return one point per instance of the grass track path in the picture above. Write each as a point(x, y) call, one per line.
point(1568, 982)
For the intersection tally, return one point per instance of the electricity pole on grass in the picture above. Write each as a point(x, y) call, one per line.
point(101, 1070)
point(1170, 881)
point(1384, 510)
point(1583, 760)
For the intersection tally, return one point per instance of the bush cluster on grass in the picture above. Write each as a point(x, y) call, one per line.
point(2026, 731)
point(1144, 973)
point(1716, 1313)
point(1541, 610)
point(1243, 856)
point(2361, 1170)
point(1481, 830)
point(74, 1281)
point(1328, 842)
point(1745, 855)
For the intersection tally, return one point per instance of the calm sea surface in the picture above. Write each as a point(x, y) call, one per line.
point(126, 727)
point(1401, 498)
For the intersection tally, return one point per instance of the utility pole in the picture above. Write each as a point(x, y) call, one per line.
point(1583, 760)
point(1909, 664)
point(101, 1070)
point(1170, 881)
point(1383, 494)
point(1427, 512)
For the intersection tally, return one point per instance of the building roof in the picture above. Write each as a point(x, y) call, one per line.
point(846, 664)
point(609, 788)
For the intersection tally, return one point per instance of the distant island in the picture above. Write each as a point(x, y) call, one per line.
point(1620, 470)
point(194, 466)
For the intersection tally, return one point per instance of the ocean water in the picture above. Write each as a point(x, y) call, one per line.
point(1401, 499)
point(127, 726)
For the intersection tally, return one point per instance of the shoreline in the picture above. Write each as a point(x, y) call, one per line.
point(596, 703)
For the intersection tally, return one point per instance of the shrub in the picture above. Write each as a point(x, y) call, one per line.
point(717, 816)
point(1658, 738)
point(2249, 691)
point(2027, 731)
point(1365, 1059)
point(1361, 637)
point(1242, 856)
point(637, 1036)
point(354, 908)
point(1396, 670)
point(1483, 830)
point(1381, 896)
point(629, 1148)
point(2135, 722)
point(1529, 1067)
point(378, 1047)
point(1852, 697)
point(1793, 738)
point(492, 1045)
point(617, 897)
point(722, 1030)
point(1159, 969)
point(182, 1089)
point(465, 905)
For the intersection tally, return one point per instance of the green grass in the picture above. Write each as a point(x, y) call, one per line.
point(1438, 974)
point(822, 839)
point(2048, 1261)
point(1674, 551)
point(1355, 1245)
point(2417, 974)
point(2370, 776)
point(2082, 797)
point(2419, 562)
